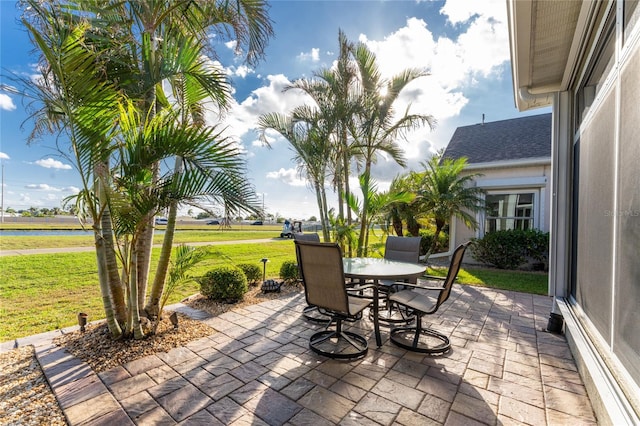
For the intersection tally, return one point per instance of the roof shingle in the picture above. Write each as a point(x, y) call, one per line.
point(513, 139)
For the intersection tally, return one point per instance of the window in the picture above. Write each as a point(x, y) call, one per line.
point(509, 211)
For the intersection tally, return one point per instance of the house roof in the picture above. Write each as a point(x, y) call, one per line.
point(506, 140)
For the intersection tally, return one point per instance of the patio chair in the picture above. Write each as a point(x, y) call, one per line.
point(422, 300)
point(323, 275)
point(310, 313)
point(402, 249)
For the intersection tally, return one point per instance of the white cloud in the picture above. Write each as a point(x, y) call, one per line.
point(42, 187)
point(459, 11)
point(243, 116)
point(454, 65)
point(4, 156)
point(243, 71)
point(287, 176)
point(313, 55)
point(6, 103)
point(50, 163)
point(231, 44)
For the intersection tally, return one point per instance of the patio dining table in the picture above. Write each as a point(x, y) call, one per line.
point(376, 269)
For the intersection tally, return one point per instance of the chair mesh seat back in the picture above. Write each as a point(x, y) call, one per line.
point(454, 268)
point(323, 275)
point(402, 249)
point(307, 237)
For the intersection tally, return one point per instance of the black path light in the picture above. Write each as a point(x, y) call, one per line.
point(264, 261)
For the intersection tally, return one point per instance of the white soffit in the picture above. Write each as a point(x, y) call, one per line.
point(543, 49)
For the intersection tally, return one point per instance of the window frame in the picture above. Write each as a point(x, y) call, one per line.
point(483, 216)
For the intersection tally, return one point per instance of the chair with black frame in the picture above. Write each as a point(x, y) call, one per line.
point(418, 301)
point(310, 313)
point(324, 287)
point(402, 249)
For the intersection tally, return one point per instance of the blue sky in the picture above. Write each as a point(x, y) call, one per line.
point(464, 44)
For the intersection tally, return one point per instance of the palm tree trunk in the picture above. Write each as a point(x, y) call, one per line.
point(134, 314)
point(115, 284)
point(152, 308)
point(325, 217)
point(143, 248)
point(434, 242)
point(364, 219)
point(103, 279)
point(413, 226)
point(110, 284)
point(346, 164)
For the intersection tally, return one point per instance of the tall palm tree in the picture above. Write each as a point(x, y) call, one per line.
point(97, 92)
point(156, 35)
point(332, 90)
point(310, 143)
point(376, 128)
point(445, 193)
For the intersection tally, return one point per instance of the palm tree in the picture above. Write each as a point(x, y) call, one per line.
point(376, 128)
point(376, 203)
point(445, 193)
point(90, 93)
point(401, 212)
point(332, 90)
point(310, 142)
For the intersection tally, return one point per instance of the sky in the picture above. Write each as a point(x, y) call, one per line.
point(464, 45)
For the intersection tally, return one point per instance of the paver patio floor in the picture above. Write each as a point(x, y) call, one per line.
point(257, 369)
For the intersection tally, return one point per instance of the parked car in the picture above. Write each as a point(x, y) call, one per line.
point(213, 222)
point(257, 222)
point(161, 221)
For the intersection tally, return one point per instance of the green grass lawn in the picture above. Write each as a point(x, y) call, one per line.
point(181, 236)
point(45, 292)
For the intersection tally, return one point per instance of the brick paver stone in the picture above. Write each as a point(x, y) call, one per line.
point(220, 387)
point(475, 408)
point(139, 404)
point(307, 417)
point(200, 418)
point(79, 390)
point(272, 407)
point(398, 393)
point(434, 408)
point(92, 409)
point(143, 365)
point(127, 387)
point(184, 402)
point(378, 408)
point(329, 405)
point(226, 410)
point(521, 412)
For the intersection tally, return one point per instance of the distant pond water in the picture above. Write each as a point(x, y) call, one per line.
point(51, 233)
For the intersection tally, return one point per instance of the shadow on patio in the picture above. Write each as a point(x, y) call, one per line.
point(257, 369)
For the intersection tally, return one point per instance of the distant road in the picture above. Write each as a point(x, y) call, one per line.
point(84, 249)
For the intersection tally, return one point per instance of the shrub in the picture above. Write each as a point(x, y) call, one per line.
point(252, 272)
point(289, 271)
point(224, 283)
point(512, 248)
